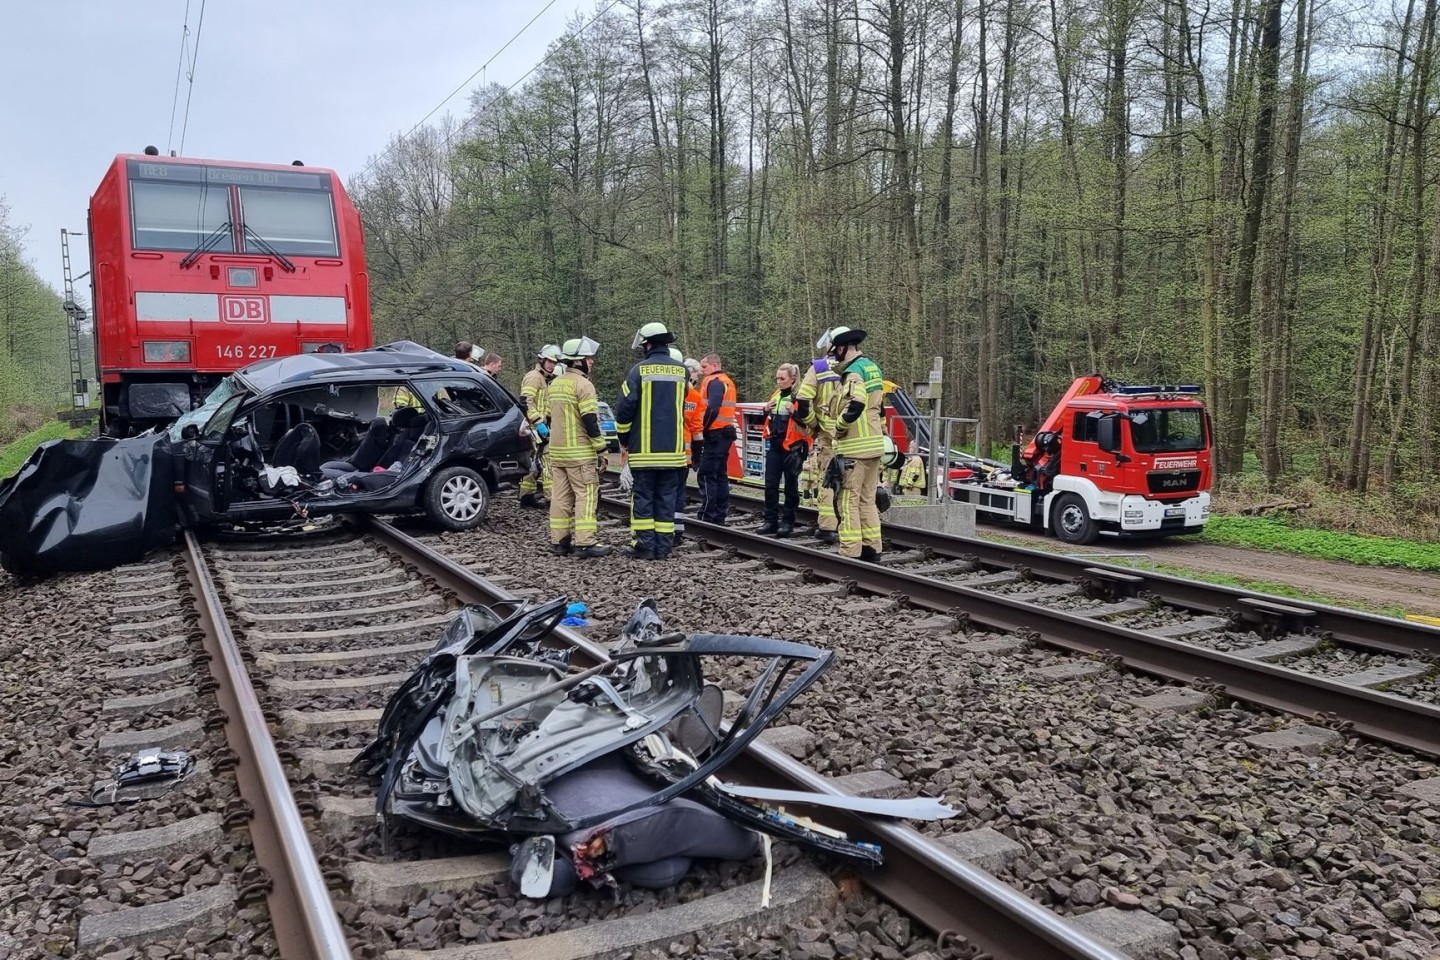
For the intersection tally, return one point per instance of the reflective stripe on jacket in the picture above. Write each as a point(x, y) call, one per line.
point(650, 416)
point(865, 438)
point(572, 397)
point(794, 433)
point(818, 386)
point(725, 416)
point(532, 389)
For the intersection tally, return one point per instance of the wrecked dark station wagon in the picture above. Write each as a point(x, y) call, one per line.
point(398, 429)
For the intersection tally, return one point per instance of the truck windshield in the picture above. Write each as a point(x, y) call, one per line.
point(1166, 431)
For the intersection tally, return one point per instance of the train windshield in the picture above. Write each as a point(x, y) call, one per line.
point(177, 216)
point(1167, 430)
point(294, 222)
point(177, 206)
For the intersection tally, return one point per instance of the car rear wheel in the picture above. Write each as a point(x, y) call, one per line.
point(457, 498)
point(1071, 521)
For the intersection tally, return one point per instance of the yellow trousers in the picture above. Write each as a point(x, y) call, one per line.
point(573, 498)
point(530, 483)
point(859, 517)
point(815, 466)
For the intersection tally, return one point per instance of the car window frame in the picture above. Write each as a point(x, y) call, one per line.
point(489, 388)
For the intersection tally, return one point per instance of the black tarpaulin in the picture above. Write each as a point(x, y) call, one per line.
point(88, 504)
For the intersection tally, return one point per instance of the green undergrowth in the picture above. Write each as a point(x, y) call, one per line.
point(1266, 533)
point(15, 452)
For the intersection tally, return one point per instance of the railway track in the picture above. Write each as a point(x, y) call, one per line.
point(305, 642)
point(1343, 669)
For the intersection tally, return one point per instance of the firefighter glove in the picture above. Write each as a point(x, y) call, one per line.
point(627, 479)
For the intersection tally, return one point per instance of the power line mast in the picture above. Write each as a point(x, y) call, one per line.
point(75, 317)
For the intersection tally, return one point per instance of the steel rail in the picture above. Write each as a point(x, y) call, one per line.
point(1406, 723)
point(1354, 627)
point(921, 877)
point(301, 911)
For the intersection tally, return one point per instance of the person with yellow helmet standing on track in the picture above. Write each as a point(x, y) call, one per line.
point(532, 399)
point(577, 452)
point(650, 419)
point(812, 408)
point(858, 412)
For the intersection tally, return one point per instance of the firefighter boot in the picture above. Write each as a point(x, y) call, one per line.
point(596, 550)
point(532, 501)
point(869, 554)
point(786, 530)
point(563, 548)
point(768, 528)
point(827, 536)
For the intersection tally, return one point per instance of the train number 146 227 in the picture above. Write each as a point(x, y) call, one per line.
point(243, 351)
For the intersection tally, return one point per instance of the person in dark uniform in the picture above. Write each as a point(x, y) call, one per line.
point(650, 419)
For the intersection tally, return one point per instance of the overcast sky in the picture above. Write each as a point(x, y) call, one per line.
point(323, 81)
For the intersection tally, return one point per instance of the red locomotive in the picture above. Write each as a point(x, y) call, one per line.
point(199, 267)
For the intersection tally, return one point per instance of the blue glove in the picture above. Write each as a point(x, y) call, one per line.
point(542, 431)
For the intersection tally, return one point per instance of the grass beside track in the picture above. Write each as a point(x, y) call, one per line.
point(1265, 533)
point(15, 452)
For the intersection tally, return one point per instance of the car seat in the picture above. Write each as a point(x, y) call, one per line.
point(299, 448)
point(407, 425)
point(366, 456)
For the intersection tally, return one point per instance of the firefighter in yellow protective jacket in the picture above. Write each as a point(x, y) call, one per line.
point(812, 406)
point(857, 409)
point(577, 453)
point(532, 397)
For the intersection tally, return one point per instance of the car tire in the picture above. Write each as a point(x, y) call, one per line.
point(1071, 522)
point(457, 498)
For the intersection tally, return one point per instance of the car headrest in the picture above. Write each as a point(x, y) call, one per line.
point(406, 417)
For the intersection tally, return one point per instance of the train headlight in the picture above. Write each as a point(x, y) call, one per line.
point(167, 351)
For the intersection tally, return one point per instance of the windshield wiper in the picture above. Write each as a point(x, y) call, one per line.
point(205, 245)
point(265, 246)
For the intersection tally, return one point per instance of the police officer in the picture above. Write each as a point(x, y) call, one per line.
point(650, 419)
point(532, 399)
point(577, 452)
point(812, 407)
point(717, 392)
point(857, 409)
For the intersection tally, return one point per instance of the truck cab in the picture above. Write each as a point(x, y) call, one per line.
point(1109, 459)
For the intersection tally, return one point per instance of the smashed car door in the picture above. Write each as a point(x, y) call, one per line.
point(88, 504)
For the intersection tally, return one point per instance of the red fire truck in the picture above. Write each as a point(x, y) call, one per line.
point(199, 267)
point(1109, 459)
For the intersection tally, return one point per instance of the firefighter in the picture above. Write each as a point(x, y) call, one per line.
point(911, 481)
point(532, 400)
point(650, 419)
point(857, 409)
point(717, 393)
point(577, 452)
point(812, 407)
point(786, 448)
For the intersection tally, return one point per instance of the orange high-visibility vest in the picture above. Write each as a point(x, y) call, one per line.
point(726, 416)
point(794, 433)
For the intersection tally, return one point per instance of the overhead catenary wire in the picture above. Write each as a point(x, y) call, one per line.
point(194, 55)
point(179, 69)
point(521, 79)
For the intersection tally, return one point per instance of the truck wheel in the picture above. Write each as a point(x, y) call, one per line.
point(1071, 521)
point(457, 498)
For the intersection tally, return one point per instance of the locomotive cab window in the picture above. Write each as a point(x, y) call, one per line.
point(295, 222)
point(177, 216)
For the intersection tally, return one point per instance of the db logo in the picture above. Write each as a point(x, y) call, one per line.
point(244, 310)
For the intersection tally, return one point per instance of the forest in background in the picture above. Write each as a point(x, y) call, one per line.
point(1238, 194)
point(34, 349)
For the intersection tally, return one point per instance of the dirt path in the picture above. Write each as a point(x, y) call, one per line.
point(1345, 584)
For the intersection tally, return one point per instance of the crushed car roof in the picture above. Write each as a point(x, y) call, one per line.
point(401, 357)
